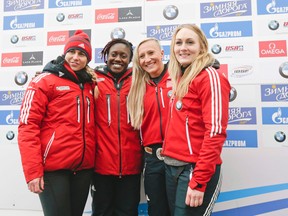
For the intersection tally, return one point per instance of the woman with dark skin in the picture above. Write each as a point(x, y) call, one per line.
point(118, 165)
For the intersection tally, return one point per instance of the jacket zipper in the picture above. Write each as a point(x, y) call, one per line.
point(78, 109)
point(83, 126)
point(187, 136)
point(171, 105)
point(159, 111)
point(127, 111)
point(48, 147)
point(162, 98)
point(108, 99)
point(88, 109)
point(119, 131)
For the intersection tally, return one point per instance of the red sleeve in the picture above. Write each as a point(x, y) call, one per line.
point(31, 114)
point(213, 89)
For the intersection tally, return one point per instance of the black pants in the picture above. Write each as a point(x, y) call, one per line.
point(177, 179)
point(65, 192)
point(115, 196)
point(155, 186)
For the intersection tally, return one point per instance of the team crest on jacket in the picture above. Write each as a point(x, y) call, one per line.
point(179, 105)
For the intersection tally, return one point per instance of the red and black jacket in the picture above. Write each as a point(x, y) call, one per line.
point(56, 124)
point(118, 147)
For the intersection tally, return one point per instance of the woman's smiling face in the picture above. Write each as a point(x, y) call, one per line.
point(187, 46)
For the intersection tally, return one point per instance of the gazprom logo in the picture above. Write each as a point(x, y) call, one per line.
point(268, 7)
point(227, 29)
point(166, 50)
point(9, 117)
point(68, 3)
point(275, 115)
point(241, 139)
point(30, 21)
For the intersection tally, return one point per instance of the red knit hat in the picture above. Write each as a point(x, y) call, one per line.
point(79, 41)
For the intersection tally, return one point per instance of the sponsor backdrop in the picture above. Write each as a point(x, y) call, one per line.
point(248, 37)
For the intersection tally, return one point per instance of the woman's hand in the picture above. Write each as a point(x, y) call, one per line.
point(194, 198)
point(36, 185)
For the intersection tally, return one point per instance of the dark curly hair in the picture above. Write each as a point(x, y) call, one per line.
point(106, 49)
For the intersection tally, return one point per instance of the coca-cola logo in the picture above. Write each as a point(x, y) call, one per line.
point(57, 38)
point(109, 16)
point(106, 15)
point(11, 60)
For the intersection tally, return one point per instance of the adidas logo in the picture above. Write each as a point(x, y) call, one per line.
point(81, 45)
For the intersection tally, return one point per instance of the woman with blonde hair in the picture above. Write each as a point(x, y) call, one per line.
point(148, 102)
point(197, 122)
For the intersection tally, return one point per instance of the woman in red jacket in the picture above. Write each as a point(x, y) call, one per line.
point(118, 164)
point(56, 133)
point(148, 103)
point(197, 122)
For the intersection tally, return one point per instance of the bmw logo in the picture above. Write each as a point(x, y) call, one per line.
point(10, 135)
point(273, 25)
point(14, 39)
point(216, 49)
point(283, 70)
point(233, 94)
point(179, 105)
point(280, 136)
point(117, 33)
point(170, 12)
point(21, 78)
point(60, 17)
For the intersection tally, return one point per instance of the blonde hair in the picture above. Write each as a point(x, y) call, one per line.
point(138, 87)
point(180, 83)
